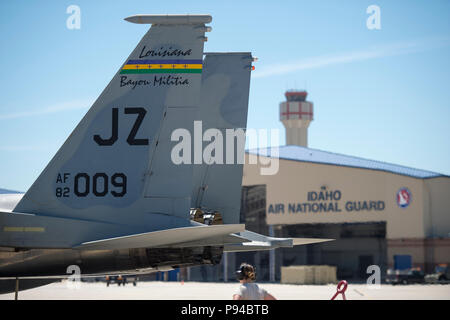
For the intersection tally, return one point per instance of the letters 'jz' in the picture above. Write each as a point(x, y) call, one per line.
point(132, 141)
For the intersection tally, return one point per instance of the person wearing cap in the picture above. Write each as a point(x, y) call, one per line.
point(248, 290)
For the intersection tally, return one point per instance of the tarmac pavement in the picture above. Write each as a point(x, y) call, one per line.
point(224, 291)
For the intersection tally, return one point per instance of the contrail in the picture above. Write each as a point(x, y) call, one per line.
point(373, 52)
point(61, 107)
point(13, 148)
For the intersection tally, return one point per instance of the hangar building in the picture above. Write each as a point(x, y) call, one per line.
point(379, 213)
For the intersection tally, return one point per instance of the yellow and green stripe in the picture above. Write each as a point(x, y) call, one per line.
point(162, 66)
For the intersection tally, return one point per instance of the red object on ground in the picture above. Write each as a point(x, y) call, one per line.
point(341, 287)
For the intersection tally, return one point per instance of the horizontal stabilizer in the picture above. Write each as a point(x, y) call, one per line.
point(162, 238)
point(221, 240)
point(261, 242)
point(302, 241)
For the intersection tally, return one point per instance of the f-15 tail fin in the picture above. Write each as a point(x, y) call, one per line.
point(223, 107)
point(115, 163)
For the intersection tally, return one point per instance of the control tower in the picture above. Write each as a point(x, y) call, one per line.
point(296, 113)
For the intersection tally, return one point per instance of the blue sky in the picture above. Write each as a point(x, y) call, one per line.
point(378, 94)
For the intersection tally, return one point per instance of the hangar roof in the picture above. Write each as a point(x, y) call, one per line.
point(303, 154)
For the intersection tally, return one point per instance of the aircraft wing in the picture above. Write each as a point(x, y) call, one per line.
point(163, 238)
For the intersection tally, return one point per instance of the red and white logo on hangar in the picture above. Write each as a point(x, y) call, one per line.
point(403, 197)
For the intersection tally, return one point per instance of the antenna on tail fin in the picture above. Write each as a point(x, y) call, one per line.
point(169, 18)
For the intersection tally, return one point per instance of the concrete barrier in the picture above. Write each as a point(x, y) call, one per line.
point(308, 274)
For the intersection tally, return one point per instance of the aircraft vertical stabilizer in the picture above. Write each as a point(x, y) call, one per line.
point(223, 106)
point(117, 155)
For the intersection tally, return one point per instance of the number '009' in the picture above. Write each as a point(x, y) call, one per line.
point(99, 185)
